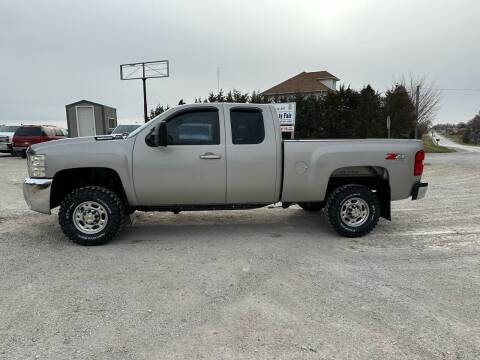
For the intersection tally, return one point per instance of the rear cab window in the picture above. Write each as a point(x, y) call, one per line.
point(247, 126)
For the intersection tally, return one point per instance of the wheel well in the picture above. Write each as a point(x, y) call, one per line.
point(65, 181)
point(374, 177)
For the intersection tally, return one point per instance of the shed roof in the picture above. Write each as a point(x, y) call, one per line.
point(88, 102)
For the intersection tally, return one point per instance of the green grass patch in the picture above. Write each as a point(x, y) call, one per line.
point(430, 147)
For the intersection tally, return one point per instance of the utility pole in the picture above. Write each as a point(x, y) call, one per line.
point(417, 98)
point(145, 111)
point(388, 125)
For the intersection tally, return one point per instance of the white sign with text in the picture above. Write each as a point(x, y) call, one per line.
point(286, 115)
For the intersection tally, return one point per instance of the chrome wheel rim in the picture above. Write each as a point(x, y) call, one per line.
point(90, 217)
point(354, 212)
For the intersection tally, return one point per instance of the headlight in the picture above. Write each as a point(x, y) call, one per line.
point(37, 165)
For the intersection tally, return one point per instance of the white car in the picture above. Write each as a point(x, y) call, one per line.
point(6, 135)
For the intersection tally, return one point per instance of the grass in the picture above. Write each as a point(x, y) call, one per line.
point(458, 139)
point(430, 147)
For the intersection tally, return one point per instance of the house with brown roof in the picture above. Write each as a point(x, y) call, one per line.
point(316, 83)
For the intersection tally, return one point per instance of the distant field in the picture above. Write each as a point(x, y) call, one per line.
point(430, 147)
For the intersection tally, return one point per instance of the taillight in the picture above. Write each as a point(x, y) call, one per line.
point(418, 168)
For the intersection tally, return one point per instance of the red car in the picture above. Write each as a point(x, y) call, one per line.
point(27, 135)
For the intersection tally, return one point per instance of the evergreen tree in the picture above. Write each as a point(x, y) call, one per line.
point(158, 110)
point(400, 108)
point(369, 121)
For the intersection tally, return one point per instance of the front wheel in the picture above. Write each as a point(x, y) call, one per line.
point(353, 210)
point(91, 215)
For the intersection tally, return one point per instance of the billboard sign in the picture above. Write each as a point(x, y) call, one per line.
point(286, 116)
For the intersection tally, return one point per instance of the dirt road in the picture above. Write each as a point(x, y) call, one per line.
point(261, 284)
point(444, 141)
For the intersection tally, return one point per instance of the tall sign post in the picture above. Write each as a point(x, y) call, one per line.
point(145, 70)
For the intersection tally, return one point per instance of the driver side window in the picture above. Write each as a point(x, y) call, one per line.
point(197, 127)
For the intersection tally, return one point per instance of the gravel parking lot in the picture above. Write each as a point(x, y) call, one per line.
point(260, 284)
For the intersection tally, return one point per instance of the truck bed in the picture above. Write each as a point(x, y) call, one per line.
point(309, 165)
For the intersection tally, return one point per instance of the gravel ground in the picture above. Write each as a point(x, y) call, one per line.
point(260, 284)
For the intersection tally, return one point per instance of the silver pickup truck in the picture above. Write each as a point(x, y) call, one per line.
point(218, 157)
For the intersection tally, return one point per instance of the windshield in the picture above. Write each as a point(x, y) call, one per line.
point(135, 132)
point(124, 129)
point(8, 128)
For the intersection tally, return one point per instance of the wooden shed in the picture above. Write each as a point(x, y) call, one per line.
point(87, 118)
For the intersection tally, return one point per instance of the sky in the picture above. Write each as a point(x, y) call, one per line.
point(53, 53)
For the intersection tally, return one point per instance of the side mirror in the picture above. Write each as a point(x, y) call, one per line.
point(162, 137)
point(157, 136)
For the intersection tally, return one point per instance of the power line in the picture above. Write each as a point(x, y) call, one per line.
point(460, 89)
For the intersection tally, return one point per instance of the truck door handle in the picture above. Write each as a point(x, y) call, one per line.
point(210, 155)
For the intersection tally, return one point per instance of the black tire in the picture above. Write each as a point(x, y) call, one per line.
point(110, 202)
point(129, 211)
point(23, 154)
point(340, 197)
point(311, 207)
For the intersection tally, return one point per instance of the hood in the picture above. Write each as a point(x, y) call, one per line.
point(84, 152)
point(56, 144)
point(79, 142)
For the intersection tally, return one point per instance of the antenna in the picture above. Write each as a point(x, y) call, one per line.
point(145, 70)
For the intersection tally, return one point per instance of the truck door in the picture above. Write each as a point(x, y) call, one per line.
point(253, 155)
point(191, 170)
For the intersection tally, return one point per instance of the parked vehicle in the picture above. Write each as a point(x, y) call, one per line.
point(125, 129)
point(28, 135)
point(6, 135)
point(218, 156)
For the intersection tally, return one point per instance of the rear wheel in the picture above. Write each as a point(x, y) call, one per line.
point(353, 210)
point(91, 215)
point(311, 207)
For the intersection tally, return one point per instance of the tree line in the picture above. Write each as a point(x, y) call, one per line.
point(343, 114)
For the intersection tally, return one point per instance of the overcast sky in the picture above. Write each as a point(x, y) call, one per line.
point(57, 52)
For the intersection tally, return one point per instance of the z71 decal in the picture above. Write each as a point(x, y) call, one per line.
point(395, 156)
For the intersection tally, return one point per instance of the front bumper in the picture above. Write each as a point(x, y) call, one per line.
point(419, 190)
point(5, 147)
point(20, 148)
point(37, 194)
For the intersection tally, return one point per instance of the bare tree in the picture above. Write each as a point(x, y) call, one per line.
point(429, 99)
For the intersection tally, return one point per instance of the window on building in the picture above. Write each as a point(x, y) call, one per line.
point(247, 126)
point(111, 123)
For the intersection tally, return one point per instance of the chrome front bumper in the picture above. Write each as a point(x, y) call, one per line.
point(37, 194)
point(5, 147)
point(419, 190)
